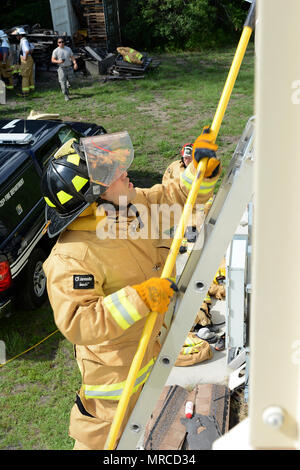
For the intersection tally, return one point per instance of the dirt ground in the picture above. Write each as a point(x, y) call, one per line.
point(238, 408)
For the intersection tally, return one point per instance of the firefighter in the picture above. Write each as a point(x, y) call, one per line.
point(179, 165)
point(103, 274)
point(27, 63)
point(5, 66)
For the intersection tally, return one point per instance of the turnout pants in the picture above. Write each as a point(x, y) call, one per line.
point(5, 72)
point(27, 74)
point(89, 432)
point(64, 76)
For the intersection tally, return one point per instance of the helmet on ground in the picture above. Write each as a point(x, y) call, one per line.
point(19, 31)
point(79, 173)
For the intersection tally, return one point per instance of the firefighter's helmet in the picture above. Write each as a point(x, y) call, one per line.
point(78, 173)
point(187, 150)
point(19, 31)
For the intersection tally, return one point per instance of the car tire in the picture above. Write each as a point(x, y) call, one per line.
point(33, 288)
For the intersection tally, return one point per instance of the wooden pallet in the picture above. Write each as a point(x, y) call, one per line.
point(94, 15)
point(91, 2)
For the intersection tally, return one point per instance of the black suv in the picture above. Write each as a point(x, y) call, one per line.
point(25, 148)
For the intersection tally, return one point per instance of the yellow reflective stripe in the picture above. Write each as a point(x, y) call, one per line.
point(189, 342)
point(78, 181)
point(115, 313)
point(187, 350)
point(49, 202)
point(207, 298)
point(122, 310)
point(187, 179)
point(114, 391)
point(63, 197)
point(130, 308)
point(75, 159)
point(127, 58)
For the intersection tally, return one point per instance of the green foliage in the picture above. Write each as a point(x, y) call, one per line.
point(17, 13)
point(181, 24)
point(161, 25)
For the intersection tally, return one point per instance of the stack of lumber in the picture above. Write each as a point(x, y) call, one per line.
point(95, 19)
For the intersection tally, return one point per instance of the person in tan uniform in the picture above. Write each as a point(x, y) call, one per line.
point(103, 274)
point(27, 63)
point(177, 170)
point(178, 166)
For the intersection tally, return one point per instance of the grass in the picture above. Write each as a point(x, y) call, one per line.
point(161, 112)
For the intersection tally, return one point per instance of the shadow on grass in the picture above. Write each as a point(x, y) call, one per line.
point(144, 179)
point(24, 329)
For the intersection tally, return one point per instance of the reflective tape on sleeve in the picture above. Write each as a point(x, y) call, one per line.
point(121, 309)
point(187, 179)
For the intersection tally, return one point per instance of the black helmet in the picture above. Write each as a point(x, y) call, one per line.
point(78, 174)
point(66, 187)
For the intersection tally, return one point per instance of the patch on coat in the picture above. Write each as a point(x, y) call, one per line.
point(83, 281)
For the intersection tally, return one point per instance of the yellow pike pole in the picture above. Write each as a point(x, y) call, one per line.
point(179, 234)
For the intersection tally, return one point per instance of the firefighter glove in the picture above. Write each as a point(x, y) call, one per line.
point(156, 293)
point(205, 147)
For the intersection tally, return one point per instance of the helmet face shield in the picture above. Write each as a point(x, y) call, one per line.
point(108, 156)
point(78, 174)
point(187, 150)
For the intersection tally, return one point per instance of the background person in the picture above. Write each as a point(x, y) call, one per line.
point(63, 57)
point(5, 66)
point(178, 166)
point(27, 63)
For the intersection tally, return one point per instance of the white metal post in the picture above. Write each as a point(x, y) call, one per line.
point(275, 313)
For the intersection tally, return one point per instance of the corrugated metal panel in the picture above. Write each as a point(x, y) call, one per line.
point(63, 17)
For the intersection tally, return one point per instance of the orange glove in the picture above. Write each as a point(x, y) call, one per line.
point(205, 147)
point(156, 293)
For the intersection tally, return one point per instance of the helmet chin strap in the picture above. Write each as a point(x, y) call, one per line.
point(129, 207)
point(79, 150)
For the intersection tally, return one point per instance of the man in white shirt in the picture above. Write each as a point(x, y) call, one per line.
point(63, 57)
point(5, 70)
point(27, 62)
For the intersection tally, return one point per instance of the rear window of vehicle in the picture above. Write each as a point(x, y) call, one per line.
point(66, 133)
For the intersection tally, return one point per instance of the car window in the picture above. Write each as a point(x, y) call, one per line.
point(45, 152)
point(66, 133)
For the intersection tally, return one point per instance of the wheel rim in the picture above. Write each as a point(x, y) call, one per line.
point(39, 279)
